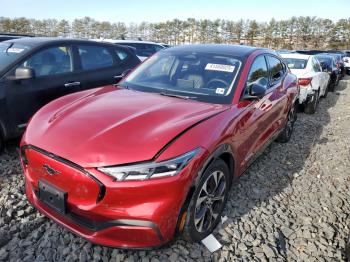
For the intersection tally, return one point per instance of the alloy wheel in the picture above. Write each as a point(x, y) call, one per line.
point(290, 121)
point(210, 201)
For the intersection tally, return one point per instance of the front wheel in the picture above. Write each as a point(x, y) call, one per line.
point(208, 202)
point(287, 131)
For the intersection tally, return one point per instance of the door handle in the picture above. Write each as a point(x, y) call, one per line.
point(118, 77)
point(72, 84)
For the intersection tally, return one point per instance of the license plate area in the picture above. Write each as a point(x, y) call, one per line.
point(52, 196)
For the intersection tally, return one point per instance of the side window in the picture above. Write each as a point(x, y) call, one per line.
point(121, 54)
point(258, 72)
point(94, 57)
point(276, 68)
point(315, 65)
point(51, 61)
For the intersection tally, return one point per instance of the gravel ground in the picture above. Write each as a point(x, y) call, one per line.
point(292, 204)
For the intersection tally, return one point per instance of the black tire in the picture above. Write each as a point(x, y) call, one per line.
point(326, 91)
point(311, 106)
point(331, 86)
point(202, 205)
point(2, 144)
point(288, 128)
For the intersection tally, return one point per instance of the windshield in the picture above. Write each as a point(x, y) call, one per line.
point(9, 52)
point(296, 63)
point(325, 59)
point(206, 77)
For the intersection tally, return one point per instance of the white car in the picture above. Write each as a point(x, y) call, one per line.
point(312, 80)
point(143, 49)
point(346, 60)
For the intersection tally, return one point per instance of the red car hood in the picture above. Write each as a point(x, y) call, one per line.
point(111, 127)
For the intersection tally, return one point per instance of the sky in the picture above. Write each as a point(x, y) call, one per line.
point(136, 11)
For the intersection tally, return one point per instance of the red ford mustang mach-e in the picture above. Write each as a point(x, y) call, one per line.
point(135, 164)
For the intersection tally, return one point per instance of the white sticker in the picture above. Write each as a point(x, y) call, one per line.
point(14, 50)
point(224, 219)
point(220, 67)
point(220, 91)
point(211, 243)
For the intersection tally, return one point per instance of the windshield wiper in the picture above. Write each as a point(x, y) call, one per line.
point(178, 96)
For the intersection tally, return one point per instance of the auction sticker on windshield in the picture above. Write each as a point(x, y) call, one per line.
point(220, 91)
point(220, 67)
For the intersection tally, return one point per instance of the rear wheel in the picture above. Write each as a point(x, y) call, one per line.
point(311, 106)
point(208, 202)
point(287, 131)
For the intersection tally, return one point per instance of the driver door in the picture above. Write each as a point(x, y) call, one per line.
point(53, 68)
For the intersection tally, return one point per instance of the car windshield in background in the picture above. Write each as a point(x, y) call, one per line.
point(200, 76)
point(296, 63)
point(325, 59)
point(143, 49)
point(9, 52)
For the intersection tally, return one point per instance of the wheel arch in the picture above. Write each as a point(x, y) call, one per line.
point(223, 152)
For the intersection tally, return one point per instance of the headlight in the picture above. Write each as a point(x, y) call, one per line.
point(150, 170)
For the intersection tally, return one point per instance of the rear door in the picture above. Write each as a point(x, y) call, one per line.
point(54, 68)
point(317, 77)
point(322, 76)
point(276, 98)
point(98, 65)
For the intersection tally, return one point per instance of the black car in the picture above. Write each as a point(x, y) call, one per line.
point(35, 71)
point(339, 60)
point(329, 65)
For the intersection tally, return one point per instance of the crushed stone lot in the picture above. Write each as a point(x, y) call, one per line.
point(293, 203)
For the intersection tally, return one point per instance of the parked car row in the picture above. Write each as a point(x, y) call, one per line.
point(318, 73)
point(137, 162)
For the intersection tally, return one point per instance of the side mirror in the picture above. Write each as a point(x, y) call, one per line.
point(256, 92)
point(324, 67)
point(123, 75)
point(24, 73)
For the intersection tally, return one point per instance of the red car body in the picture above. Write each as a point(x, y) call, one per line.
point(78, 133)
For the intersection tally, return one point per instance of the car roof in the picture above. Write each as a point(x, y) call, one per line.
point(295, 55)
point(241, 51)
point(37, 41)
point(115, 41)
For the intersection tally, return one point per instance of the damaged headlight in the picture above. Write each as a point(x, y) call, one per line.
point(150, 170)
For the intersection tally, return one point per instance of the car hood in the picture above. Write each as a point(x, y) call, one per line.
point(112, 127)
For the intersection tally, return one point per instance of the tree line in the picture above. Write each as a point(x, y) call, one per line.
point(293, 33)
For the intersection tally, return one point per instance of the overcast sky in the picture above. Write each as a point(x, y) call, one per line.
point(161, 10)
